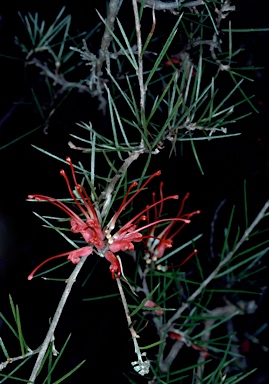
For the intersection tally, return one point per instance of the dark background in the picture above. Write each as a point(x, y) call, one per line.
point(98, 329)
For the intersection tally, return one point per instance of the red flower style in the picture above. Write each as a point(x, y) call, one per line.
point(157, 244)
point(90, 229)
point(73, 256)
point(123, 239)
point(89, 226)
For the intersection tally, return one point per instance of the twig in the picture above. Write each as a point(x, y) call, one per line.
point(164, 364)
point(59, 79)
point(113, 10)
point(12, 359)
point(216, 270)
point(140, 366)
point(49, 337)
point(140, 60)
point(224, 11)
point(170, 6)
point(212, 231)
point(111, 186)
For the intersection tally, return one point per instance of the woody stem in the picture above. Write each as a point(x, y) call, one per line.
point(107, 194)
point(129, 321)
point(221, 264)
point(55, 320)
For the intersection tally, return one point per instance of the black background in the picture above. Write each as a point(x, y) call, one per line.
point(98, 329)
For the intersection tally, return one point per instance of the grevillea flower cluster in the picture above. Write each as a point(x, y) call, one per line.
point(105, 241)
point(157, 244)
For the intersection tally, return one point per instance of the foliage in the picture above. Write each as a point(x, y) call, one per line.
point(153, 88)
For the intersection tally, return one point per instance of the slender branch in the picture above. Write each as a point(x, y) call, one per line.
point(111, 186)
point(113, 10)
point(58, 79)
point(21, 357)
point(212, 229)
point(164, 364)
point(127, 313)
point(140, 59)
point(49, 337)
point(140, 366)
point(170, 6)
point(216, 271)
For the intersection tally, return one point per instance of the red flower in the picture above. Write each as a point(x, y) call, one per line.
point(115, 267)
point(181, 337)
point(151, 304)
point(73, 256)
point(123, 239)
point(174, 60)
point(90, 229)
point(101, 241)
point(157, 244)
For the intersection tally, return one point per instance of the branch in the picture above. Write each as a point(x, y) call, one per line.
point(49, 337)
point(216, 271)
point(140, 60)
point(162, 6)
point(59, 79)
point(113, 10)
point(111, 186)
point(140, 366)
point(21, 357)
